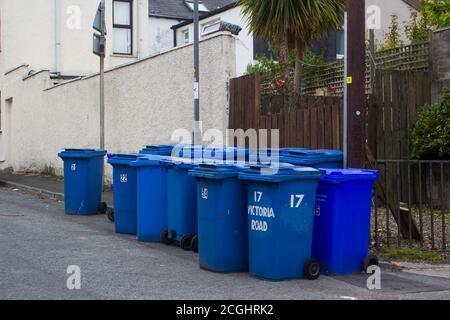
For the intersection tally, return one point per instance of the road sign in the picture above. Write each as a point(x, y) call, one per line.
point(98, 45)
point(98, 21)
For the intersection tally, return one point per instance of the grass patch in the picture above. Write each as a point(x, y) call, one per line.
point(413, 255)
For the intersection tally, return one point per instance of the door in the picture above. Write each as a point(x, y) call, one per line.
point(2, 148)
point(5, 132)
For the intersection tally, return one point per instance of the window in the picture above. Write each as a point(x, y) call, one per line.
point(122, 26)
point(201, 6)
point(210, 27)
point(186, 36)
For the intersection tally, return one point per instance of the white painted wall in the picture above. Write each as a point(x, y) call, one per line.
point(160, 34)
point(145, 102)
point(388, 8)
point(28, 35)
point(244, 43)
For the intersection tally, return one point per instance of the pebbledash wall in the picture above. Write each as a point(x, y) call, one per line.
point(441, 62)
point(145, 102)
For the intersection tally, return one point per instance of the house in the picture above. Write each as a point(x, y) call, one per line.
point(246, 45)
point(57, 35)
point(163, 14)
point(331, 46)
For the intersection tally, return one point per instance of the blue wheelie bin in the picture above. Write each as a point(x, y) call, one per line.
point(313, 158)
point(280, 221)
point(125, 192)
point(189, 151)
point(342, 221)
point(181, 203)
point(224, 153)
point(151, 198)
point(265, 155)
point(83, 181)
point(222, 217)
point(158, 149)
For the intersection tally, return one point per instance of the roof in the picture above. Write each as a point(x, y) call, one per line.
point(413, 3)
point(177, 9)
point(186, 22)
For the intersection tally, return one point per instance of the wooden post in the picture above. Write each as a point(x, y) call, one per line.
point(372, 60)
point(356, 83)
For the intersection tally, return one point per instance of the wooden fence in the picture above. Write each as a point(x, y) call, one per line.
point(393, 110)
point(392, 113)
point(315, 122)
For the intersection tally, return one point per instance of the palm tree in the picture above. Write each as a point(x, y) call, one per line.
point(293, 24)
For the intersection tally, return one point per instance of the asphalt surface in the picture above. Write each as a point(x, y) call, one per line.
point(38, 242)
point(46, 185)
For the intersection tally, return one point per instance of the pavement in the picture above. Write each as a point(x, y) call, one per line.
point(38, 243)
point(45, 185)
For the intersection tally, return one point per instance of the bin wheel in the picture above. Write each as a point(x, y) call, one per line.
point(194, 244)
point(103, 208)
point(311, 269)
point(370, 260)
point(110, 214)
point(165, 237)
point(185, 242)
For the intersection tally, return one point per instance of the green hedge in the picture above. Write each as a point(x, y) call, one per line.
point(430, 136)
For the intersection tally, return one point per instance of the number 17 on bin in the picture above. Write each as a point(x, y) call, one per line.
point(258, 196)
point(296, 200)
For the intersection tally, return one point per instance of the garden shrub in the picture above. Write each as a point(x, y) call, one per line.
point(430, 136)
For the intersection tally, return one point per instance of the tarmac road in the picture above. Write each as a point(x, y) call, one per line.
point(38, 242)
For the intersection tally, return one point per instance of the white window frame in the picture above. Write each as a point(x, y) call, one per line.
point(184, 33)
point(125, 27)
point(210, 24)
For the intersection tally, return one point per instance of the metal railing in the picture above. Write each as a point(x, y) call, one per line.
point(411, 204)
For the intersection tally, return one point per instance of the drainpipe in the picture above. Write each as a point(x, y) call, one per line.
point(138, 29)
point(57, 36)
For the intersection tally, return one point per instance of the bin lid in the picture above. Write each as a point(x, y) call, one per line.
point(264, 155)
point(181, 163)
point(285, 172)
point(149, 160)
point(309, 153)
point(124, 159)
point(286, 151)
point(189, 151)
point(311, 157)
point(221, 170)
point(343, 175)
point(225, 153)
point(81, 153)
point(112, 155)
point(158, 149)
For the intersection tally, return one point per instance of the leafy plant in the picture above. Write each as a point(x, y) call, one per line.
point(438, 12)
point(417, 29)
point(293, 25)
point(392, 39)
point(430, 136)
point(267, 67)
point(271, 70)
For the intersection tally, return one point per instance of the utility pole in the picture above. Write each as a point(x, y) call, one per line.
point(102, 76)
point(356, 83)
point(345, 146)
point(196, 134)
